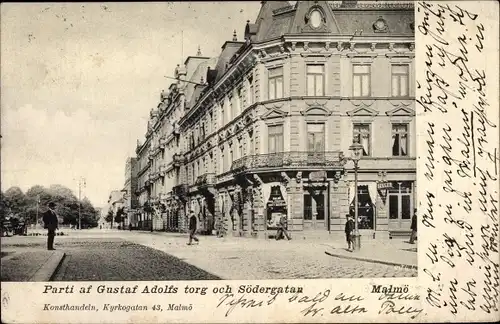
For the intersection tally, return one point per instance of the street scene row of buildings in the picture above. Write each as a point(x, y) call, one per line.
point(265, 128)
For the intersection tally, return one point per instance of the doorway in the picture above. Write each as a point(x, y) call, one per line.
point(400, 201)
point(314, 211)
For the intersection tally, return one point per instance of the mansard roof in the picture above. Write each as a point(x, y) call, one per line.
point(277, 18)
point(228, 50)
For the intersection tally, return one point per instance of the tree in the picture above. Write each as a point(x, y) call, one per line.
point(109, 217)
point(120, 213)
point(37, 199)
point(16, 201)
point(89, 213)
point(4, 209)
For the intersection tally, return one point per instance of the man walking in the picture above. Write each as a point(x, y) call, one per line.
point(413, 227)
point(282, 229)
point(51, 224)
point(349, 227)
point(193, 223)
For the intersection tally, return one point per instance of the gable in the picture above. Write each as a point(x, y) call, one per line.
point(363, 111)
point(273, 113)
point(316, 111)
point(401, 110)
point(314, 17)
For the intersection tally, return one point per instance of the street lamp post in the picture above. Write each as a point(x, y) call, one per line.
point(356, 150)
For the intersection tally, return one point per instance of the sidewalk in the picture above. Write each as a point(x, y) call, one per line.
point(32, 265)
point(396, 252)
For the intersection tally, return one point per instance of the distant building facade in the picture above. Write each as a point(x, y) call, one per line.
point(267, 132)
point(130, 193)
point(116, 201)
point(143, 163)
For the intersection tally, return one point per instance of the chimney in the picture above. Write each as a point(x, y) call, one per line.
point(235, 38)
point(349, 3)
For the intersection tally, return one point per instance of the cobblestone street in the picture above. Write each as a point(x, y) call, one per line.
point(240, 258)
point(123, 255)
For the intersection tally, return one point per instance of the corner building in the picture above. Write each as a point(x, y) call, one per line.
point(268, 132)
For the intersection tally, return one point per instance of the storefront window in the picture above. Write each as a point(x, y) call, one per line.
point(400, 200)
point(366, 208)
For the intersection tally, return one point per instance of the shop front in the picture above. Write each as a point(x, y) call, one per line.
point(276, 207)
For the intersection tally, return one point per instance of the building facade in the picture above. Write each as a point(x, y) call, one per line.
point(143, 163)
point(268, 129)
point(116, 201)
point(130, 189)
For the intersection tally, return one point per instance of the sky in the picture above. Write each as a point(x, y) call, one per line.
point(78, 81)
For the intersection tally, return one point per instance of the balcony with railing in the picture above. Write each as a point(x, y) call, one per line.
point(207, 179)
point(180, 191)
point(205, 183)
point(289, 160)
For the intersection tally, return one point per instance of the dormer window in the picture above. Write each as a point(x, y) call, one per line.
point(315, 19)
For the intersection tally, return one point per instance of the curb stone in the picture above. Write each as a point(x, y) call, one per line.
point(48, 270)
point(367, 259)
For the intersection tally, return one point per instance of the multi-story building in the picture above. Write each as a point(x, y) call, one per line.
point(160, 172)
point(268, 131)
point(130, 188)
point(116, 201)
point(143, 213)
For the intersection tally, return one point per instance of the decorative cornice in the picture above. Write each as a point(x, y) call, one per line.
point(362, 6)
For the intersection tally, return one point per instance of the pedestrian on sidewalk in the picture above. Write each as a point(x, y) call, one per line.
point(282, 229)
point(51, 224)
point(193, 223)
point(349, 227)
point(413, 227)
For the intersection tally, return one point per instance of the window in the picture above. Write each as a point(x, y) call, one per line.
point(229, 109)
point(250, 91)
point(240, 148)
point(276, 83)
point(238, 101)
point(222, 162)
point(315, 137)
point(315, 80)
point(361, 80)
point(222, 115)
point(251, 149)
point(202, 132)
point(400, 200)
point(231, 158)
point(362, 136)
point(210, 126)
point(400, 76)
point(399, 140)
point(275, 138)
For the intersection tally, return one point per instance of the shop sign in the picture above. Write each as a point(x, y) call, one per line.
point(384, 185)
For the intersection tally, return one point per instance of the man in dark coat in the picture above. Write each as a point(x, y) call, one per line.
point(413, 227)
point(51, 224)
point(349, 227)
point(282, 229)
point(193, 226)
